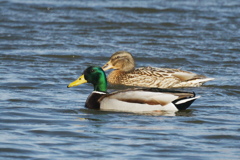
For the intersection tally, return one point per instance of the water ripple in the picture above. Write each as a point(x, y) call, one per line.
point(45, 45)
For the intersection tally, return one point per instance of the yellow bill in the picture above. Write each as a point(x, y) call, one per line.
point(77, 82)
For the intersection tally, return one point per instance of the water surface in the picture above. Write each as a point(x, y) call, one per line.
point(44, 45)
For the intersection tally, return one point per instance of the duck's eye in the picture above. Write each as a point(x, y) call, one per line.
point(118, 57)
point(92, 70)
point(79, 78)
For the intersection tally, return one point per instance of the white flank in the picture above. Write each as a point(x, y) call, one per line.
point(115, 103)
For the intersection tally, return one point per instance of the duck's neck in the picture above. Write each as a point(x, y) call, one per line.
point(101, 88)
point(101, 85)
point(115, 76)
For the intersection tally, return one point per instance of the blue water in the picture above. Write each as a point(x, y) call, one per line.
point(45, 45)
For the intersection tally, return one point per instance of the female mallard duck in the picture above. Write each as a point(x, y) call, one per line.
point(125, 73)
point(131, 100)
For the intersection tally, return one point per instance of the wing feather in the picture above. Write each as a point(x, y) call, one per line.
point(141, 100)
point(151, 96)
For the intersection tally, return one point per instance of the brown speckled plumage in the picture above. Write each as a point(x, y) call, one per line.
point(149, 76)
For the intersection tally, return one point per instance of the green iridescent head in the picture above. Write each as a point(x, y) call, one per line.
point(94, 75)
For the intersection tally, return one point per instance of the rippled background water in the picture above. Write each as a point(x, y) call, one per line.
point(46, 44)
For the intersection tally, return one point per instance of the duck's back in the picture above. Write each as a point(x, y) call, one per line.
point(156, 77)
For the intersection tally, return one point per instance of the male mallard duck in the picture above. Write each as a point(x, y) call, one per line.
point(131, 100)
point(125, 73)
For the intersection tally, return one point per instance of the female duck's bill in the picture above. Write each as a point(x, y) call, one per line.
point(125, 73)
point(131, 100)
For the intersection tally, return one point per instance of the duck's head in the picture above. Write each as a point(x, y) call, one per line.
point(120, 60)
point(94, 75)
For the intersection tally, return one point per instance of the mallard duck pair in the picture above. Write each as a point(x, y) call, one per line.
point(131, 100)
point(139, 100)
